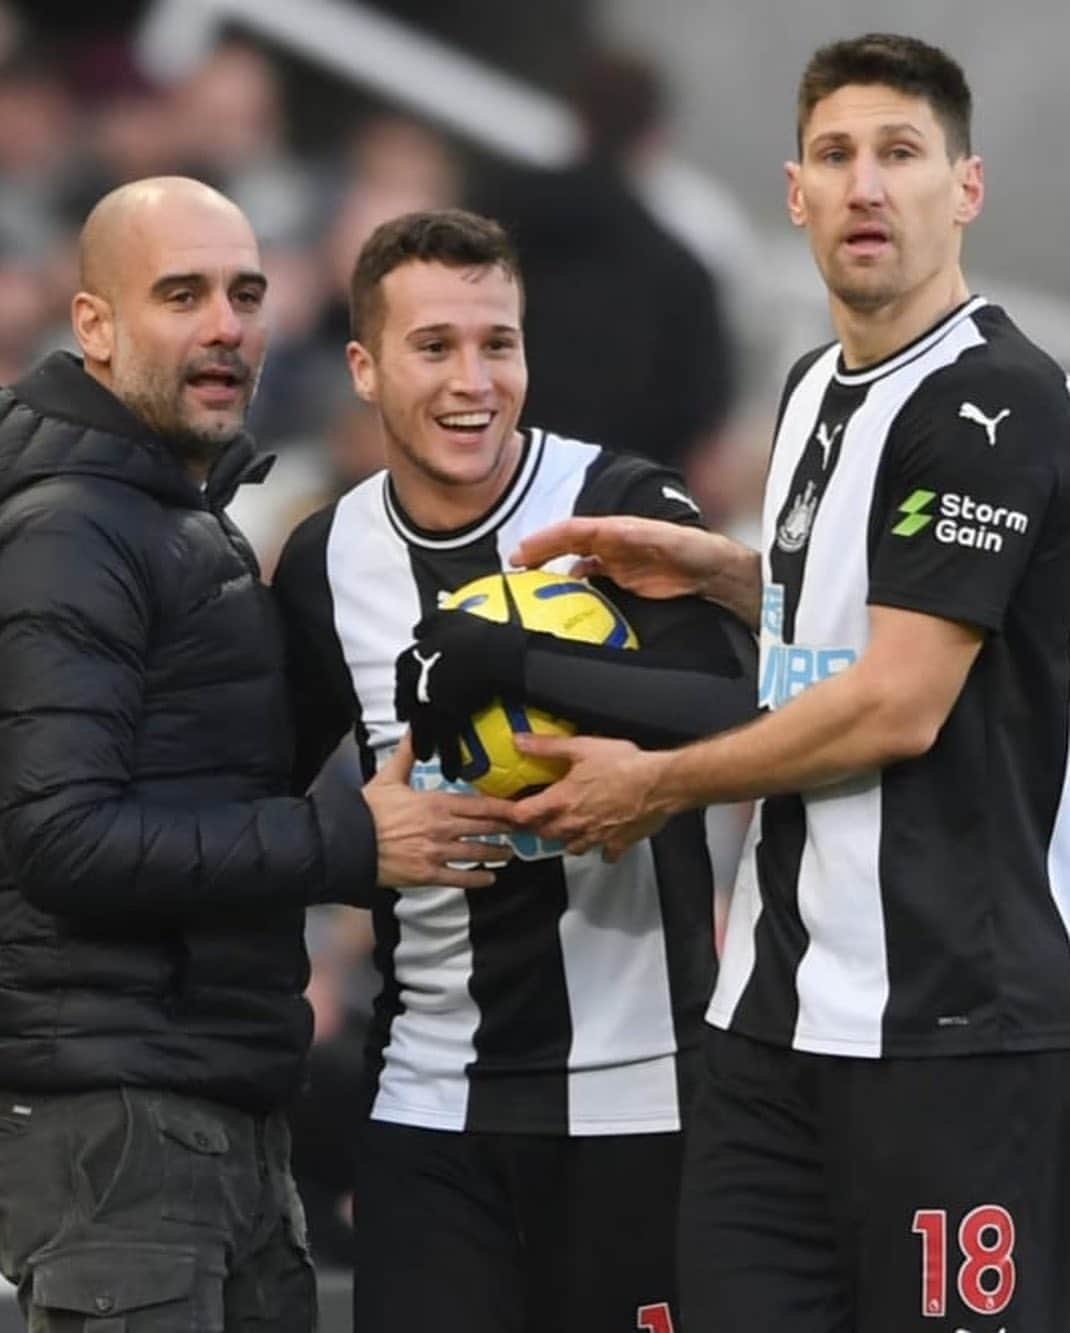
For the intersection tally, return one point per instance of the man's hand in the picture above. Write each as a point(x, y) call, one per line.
point(653, 558)
point(458, 664)
point(608, 798)
point(425, 836)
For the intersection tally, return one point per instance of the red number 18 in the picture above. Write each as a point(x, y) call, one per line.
point(988, 1221)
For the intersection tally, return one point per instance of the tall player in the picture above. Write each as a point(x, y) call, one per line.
point(533, 1044)
point(883, 1140)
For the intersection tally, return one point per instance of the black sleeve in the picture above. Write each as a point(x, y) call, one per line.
point(324, 705)
point(657, 698)
point(695, 670)
point(76, 616)
point(966, 482)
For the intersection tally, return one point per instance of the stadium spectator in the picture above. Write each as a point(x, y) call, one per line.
point(881, 1138)
point(153, 868)
point(611, 290)
point(231, 118)
point(531, 1048)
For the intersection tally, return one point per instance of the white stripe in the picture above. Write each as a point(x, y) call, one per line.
point(622, 1077)
point(376, 602)
point(562, 473)
point(744, 912)
point(433, 1039)
point(842, 981)
point(1059, 854)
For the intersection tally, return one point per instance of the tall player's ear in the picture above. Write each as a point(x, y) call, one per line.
point(970, 183)
point(362, 369)
point(796, 207)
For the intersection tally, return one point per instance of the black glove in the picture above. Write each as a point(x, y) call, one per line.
point(458, 664)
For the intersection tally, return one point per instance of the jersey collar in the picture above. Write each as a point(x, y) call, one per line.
point(918, 347)
point(503, 508)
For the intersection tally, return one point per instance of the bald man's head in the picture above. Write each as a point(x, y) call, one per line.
point(119, 216)
point(170, 312)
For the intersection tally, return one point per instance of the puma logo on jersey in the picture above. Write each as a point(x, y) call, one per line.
point(969, 412)
point(671, 493)
point(825, 440)
point(426, 663)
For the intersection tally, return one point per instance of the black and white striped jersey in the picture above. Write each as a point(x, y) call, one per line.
point(922, 909)
point(561, 999)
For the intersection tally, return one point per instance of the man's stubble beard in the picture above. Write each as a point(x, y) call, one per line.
point(159, 405)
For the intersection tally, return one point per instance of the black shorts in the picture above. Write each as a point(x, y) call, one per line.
point(825, 1194)
point(515, 1233)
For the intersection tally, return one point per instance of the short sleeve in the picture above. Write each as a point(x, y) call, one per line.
point(625, 484)
point(969, 476)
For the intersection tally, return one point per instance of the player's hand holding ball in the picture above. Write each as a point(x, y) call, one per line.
point(457, 665)
point(461, 685)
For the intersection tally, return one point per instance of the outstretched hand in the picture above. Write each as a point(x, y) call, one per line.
point(653, 558)
point(646, 555)
point(608, 798)
point(431, 837)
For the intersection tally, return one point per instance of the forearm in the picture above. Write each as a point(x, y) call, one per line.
point(735, 581)
point(832, 731)
point(624, 694)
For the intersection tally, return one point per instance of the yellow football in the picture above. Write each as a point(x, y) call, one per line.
point(556, 604)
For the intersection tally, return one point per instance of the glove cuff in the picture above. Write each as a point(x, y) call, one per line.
point(507, 656)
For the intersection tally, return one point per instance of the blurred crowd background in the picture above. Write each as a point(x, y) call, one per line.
point(634, 150)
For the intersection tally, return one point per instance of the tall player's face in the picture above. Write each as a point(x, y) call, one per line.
point(883, 203)
point(448, 376)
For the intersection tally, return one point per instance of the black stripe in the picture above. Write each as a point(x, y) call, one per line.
point(446, 571)
point(769, 1004)
point(685, 888)
point(798, 514)
point(518, 1080)
point(388, 1003)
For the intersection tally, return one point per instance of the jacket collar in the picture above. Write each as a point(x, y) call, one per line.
point(59, 388)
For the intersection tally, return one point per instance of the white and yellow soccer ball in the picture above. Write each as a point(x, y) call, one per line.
point(556, 604)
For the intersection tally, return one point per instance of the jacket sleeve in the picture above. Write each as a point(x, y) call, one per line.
point(76, 618)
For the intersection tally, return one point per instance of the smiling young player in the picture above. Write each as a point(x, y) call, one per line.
point(533, 1042)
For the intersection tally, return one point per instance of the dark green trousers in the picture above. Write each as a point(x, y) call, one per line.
point(134, 1211)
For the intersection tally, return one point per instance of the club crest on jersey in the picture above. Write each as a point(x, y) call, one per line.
point(793, 532)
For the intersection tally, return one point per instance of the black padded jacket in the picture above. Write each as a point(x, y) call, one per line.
point(153, 867)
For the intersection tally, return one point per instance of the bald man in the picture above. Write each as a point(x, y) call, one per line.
point(154, 869)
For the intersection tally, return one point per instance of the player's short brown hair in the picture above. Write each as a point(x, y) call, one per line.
point(450, 236)
point(904, 63)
